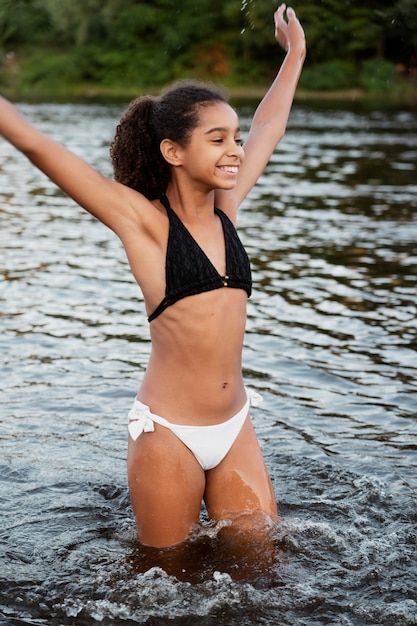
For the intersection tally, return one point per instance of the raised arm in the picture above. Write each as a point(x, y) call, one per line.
point(271, 116)
point(110, 202)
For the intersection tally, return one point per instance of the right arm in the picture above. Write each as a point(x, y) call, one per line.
point(116, 205)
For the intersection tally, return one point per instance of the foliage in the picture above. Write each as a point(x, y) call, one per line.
point(49, 73)
point(402, 31)
point(378, 76)
point(141, 43)
point(23, 21)
point(330, 76)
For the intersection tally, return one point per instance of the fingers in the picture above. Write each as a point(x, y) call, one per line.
point(279, 18)
point(288, 30)
point(281, 26)
point(279, 15)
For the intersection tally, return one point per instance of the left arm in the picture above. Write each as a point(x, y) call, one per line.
point(271, 116)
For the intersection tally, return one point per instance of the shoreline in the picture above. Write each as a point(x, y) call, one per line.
point(90, 93)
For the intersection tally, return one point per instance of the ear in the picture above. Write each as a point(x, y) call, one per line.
point(171, 152)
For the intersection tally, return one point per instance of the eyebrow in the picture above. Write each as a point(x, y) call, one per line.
point(220, 129)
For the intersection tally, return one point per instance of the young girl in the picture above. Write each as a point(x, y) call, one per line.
point(181, 173)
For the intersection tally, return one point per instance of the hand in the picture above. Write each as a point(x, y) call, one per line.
point(289, 33)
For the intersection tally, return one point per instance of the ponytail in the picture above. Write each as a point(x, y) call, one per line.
point(135, 154)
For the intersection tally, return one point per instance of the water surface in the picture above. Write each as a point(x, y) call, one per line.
point(331, 344)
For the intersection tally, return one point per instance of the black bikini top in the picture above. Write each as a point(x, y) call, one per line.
point(188, 270)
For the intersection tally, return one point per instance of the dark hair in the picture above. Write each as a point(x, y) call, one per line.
point(135, 150)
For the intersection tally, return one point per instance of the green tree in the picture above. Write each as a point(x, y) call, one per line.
point(73, 20)
point(23, 22)
point(401, 32)
point(340, 29)
point(138, 43)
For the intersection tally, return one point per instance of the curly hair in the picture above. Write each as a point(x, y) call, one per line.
point(135, 151)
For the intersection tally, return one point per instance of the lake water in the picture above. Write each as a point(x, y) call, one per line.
point(331, 344)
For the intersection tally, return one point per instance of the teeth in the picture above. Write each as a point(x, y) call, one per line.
point(232, 169)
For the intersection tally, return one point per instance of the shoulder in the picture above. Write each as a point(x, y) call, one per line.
point(142, 217)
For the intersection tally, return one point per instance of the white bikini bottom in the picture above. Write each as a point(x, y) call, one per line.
point(209, 444)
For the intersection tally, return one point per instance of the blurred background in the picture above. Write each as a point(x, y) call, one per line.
point(121, 47)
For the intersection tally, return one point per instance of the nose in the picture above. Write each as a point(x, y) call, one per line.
point(236, 150)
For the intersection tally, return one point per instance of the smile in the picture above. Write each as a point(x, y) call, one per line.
point(230, 169)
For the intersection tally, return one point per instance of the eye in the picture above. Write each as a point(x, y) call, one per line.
point(239, 141)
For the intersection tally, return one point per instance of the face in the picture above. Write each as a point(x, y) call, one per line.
point(214, 153)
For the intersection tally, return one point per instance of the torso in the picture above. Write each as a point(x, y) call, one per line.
point(194, 374)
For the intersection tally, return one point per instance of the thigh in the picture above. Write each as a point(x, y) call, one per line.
point(240, 484)
point(166, 486)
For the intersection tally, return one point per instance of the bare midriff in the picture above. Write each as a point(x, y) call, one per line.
point(194, 374)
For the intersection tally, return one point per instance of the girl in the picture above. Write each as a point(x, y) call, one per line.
point(180, 175)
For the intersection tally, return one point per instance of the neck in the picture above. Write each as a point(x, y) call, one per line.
point(190, 203)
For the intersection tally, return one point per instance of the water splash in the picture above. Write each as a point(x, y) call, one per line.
point(246, 7)
point(331, 344)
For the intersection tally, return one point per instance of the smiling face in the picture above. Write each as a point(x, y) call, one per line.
point(214, 152)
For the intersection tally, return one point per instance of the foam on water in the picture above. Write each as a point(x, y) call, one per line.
point(339, 549)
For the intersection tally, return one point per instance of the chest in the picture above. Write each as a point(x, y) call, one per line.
point(197, 248)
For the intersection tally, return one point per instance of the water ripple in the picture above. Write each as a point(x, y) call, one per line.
point(331, 343)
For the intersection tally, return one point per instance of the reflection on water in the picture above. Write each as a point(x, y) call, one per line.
point(331, 344)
